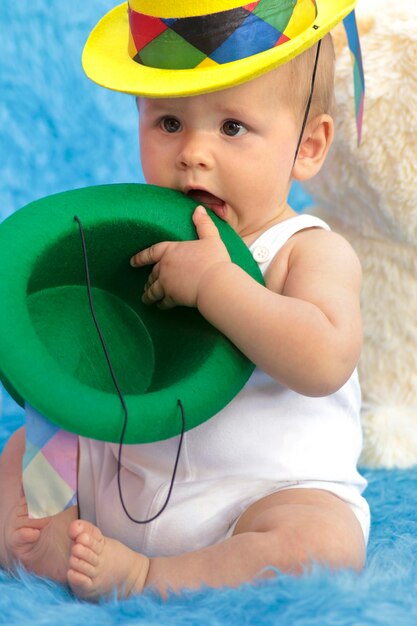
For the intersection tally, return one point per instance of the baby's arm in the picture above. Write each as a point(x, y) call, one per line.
point(304, 330)
point(308, 335)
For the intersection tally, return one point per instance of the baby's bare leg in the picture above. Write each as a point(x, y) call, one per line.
point(41, 545)
point(288, 530)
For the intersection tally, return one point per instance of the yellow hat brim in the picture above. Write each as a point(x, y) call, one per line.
point(106, 60)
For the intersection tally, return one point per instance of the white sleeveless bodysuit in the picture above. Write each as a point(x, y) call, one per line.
point(268, 438)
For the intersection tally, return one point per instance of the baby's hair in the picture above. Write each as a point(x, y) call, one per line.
point(300, 70)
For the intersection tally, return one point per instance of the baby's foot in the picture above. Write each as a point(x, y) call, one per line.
point(99, 565)
point(42, 546)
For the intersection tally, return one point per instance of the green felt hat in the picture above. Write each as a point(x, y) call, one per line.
point(50, 351)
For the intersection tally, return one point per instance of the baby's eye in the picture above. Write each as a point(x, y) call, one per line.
point(233, 128)
point(170, 124)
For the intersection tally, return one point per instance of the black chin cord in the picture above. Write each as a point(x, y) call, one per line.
point(310, 98)
point(106, 352)
point(122, 400)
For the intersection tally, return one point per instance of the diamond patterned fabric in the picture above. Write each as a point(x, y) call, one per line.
point(217, 38)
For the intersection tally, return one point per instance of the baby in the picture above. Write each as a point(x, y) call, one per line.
point(270, 483)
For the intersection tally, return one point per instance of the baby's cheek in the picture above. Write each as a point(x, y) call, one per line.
point(154, 174)
point(152, 161)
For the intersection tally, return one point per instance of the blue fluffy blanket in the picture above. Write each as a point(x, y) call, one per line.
point(58, 131)
point(383, 595)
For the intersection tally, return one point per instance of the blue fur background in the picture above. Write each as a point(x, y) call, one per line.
point(58, 131)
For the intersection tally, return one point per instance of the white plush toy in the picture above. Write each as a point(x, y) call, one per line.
point(369, 194)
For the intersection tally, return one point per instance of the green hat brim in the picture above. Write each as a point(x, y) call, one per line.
point(50, 353)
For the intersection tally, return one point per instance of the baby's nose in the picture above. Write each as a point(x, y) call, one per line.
point(195, 153)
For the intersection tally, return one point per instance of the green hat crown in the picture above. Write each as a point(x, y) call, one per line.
point(50, 351)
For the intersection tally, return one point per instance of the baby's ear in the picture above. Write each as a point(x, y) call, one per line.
point(317, 139)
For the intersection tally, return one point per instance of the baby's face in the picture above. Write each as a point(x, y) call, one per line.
point(232, 150)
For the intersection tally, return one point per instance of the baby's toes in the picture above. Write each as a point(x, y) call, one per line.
point(86, 534)
point(80, 583)
point(25, 536)
point(83, 566)
point(93, 544)
point(85, 554)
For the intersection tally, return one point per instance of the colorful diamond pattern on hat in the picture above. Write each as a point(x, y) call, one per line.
point(49, 466)
point(223, 37)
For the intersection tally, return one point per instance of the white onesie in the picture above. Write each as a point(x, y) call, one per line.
point(268, 438)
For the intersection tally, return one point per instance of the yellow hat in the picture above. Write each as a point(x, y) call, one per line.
point(168, 48)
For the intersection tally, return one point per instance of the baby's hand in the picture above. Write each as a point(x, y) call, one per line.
point(179, 266)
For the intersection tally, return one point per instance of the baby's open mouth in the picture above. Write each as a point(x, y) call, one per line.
point(214, 203)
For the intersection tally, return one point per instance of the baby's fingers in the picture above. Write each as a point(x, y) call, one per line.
point(166, 303)
point(154, 292)
point(205, 226)
point(153, 276)
point(150, 255)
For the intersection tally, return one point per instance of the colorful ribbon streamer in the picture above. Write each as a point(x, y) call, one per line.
point(358, 74)
point(49, 466)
